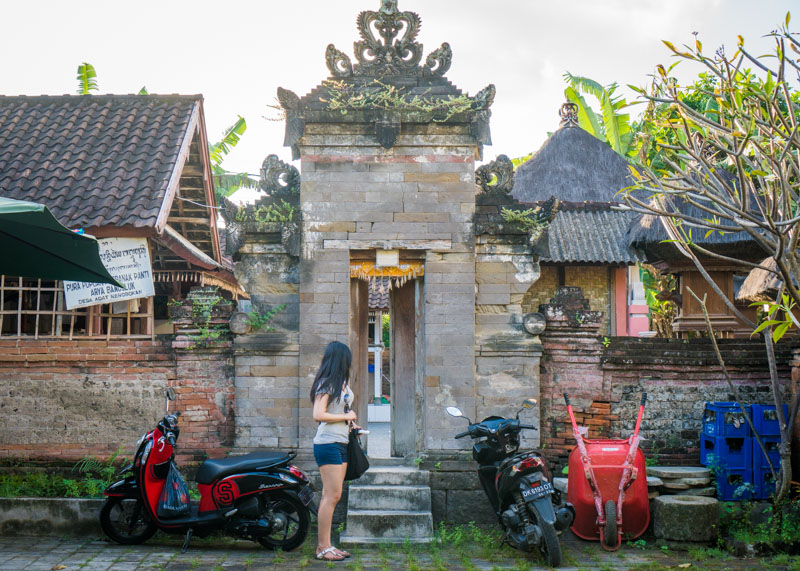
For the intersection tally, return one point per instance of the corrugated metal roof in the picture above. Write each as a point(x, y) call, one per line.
point(592, 233)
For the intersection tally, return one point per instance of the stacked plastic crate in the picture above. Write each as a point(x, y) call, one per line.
point(727, 445)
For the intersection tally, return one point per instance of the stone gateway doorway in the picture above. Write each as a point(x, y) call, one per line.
point(399, 433)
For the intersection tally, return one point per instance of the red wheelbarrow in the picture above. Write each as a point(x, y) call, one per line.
point(608, 486)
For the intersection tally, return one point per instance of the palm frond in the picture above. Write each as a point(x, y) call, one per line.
point(616, 124)
point(230, 138)
point(587, 118)
point(87, 79)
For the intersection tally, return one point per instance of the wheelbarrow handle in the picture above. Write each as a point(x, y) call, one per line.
point(566, 398)
point(644, 399)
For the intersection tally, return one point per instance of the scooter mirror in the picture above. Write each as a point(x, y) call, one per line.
point(170, 393)
point(454, 411)
point(529, 403)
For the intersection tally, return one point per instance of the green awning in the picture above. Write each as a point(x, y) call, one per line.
point(33, 244)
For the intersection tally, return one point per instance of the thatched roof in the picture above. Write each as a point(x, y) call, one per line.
point(761, 285)
point(573, 166)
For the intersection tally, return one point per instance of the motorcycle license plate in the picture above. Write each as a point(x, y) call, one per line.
point(306, 495)
point(543, 489)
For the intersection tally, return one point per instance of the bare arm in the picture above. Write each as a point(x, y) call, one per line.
point(321, 414)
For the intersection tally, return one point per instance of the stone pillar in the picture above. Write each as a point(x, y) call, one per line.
point(507, 359)
point(204, 373)
point(571, 364)
point(267, 394)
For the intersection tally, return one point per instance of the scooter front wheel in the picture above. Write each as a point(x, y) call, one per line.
point(289, 521)
point(125, 520)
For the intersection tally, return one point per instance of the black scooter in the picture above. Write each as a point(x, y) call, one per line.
point(518, 484)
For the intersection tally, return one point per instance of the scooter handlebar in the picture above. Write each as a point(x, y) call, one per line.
point(171, 439)
point(644, 398)
point(462, 434)
point(566, 398)
point(528, 426)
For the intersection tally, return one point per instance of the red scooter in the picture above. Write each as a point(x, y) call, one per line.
point(258, 496)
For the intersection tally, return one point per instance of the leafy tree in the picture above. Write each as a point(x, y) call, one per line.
point(611, 124)
point(730, 148)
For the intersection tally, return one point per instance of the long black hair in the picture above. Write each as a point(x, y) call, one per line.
point(334, 371)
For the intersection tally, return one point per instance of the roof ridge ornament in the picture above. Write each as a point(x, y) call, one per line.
point(569, 114)
point(394, 51)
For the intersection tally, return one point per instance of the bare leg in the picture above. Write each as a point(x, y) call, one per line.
point(332, 480)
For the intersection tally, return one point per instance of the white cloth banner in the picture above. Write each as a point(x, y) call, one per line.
point(128, 260)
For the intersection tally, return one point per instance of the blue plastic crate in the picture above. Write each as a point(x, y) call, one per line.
point(730, 452)
point(772, 444)
point(735, 484)
point(764, 483)
point(725, 419)
point(765, 419)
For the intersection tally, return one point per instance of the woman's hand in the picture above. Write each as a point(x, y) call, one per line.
point(350, 415)
point(354, 426)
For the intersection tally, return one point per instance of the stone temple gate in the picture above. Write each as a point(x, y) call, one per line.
point(387, 186)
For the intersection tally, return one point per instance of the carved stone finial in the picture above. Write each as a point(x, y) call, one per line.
point(438, 61)
point(485, 97)
point(288, 99)
point(278, 176)
point(393, 50)
point(496, 176)
point(338, 63)
point(568, 114)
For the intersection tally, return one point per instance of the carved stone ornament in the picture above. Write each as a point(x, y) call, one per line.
point(394, 51)
point(496, 176)
point(338, 62)
point(278, 177)
point(568, 114)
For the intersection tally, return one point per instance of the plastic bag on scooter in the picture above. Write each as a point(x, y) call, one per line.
point(174, 501)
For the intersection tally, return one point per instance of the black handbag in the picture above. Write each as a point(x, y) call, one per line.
point(357, 461)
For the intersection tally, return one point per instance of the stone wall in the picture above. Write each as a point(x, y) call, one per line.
point(605, 378)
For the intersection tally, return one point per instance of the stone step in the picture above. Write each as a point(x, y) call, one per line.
point(388, 462)
point(413, 498)
point(387, 525)
point(393, 476)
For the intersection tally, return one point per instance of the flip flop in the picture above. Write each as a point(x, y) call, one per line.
point(342, 552)
point(329, 551)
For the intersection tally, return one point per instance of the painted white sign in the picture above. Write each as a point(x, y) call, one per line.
point(128, 260)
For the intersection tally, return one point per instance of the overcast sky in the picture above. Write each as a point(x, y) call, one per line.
point(237, 53)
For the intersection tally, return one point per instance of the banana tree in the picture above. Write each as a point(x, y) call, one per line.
point(87, 79)
point(227, 182)
point(611, 124)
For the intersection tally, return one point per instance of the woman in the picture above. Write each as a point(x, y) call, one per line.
point(332, 400)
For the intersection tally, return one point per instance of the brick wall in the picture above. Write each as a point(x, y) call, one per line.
point(605, 385)
point(64, 400)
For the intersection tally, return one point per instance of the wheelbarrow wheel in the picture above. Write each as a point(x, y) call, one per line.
point(610, 530)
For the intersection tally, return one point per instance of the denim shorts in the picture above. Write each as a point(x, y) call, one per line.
point(334, 453)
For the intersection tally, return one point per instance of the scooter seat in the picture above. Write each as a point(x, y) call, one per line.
point(215, 469)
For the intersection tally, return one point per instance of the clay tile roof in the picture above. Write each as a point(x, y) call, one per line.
point(95, 160)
